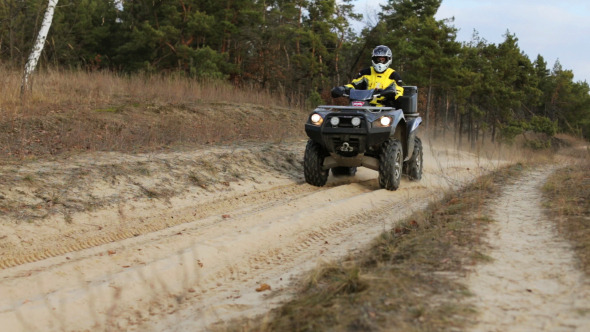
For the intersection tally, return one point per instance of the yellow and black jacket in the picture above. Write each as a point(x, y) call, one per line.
point(368, 78)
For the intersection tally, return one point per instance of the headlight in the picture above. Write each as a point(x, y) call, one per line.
point(385, 121)
point(316, 119)
point(356, 121)
point(334, 121)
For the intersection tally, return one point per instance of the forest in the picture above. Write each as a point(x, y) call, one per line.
point(302, 48)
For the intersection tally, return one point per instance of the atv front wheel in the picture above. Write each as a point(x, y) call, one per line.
point(313, 163)
point(391, 161)
point(413, 167)
point(343, 171)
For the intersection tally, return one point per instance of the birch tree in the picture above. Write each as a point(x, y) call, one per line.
point(38, 47)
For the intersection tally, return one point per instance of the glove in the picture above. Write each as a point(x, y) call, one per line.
point(389, 91)
point(377, 92)
point(339, 91)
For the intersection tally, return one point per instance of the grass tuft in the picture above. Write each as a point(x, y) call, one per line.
point(567, 195)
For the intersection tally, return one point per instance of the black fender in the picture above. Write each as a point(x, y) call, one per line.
point(412, 125)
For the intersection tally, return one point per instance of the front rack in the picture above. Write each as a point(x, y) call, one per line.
point(363, 108)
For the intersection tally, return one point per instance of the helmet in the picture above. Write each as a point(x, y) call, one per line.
point(381, 51)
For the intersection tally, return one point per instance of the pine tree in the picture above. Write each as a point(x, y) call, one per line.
point(425, 48)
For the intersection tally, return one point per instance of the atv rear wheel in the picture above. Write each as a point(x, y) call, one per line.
point(343, 171)
point(413, 167)
point(313, 163)
point(391, 161)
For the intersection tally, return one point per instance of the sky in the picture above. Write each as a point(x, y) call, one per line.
point(556, 29)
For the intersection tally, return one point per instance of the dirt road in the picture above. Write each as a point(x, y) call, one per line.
point(150, 256)
point(532, 284)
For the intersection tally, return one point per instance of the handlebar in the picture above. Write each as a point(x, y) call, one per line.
point(375, 95)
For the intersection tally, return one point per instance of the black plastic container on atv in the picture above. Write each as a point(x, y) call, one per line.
point(384, 139)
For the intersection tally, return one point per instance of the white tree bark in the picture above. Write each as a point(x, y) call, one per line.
point(38, 47)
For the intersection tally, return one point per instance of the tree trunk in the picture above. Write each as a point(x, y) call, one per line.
point(460, 130)
point(478, 132)
point(469, 128)
point(493, 132)
point(428, 99)
point(435, 107)
point(446, 122)
point(337, 60)
point(456, 124)
point(472, 131)
point(300, 19)
point(481, 136)
point(38, 47)
point(11, 33)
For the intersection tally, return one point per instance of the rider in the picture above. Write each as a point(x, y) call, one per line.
point(386, 81)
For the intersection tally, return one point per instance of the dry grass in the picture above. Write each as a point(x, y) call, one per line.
point(407, 280)
point(567, 195)
point(100, 111)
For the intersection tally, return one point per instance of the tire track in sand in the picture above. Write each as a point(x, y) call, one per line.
point(124, 230)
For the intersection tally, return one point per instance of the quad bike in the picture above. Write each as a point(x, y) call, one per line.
point(342, 138)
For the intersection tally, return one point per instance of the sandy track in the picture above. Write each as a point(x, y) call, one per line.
point(533, 283)
point(208, 253)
